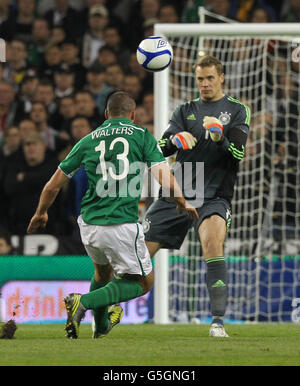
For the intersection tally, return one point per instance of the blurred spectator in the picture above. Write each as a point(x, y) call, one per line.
point(23, 183)
point(46, 95)
point(243, 10)
point(6, 247)
point(106, 56)
point(67, 112)
point(27, 90)
point(113, 40)
point(58, 35)
point(149, 9)
point(53, 139)
point(96, 84)
point(141, 12)
point(93, 39)
point(290, 12)
point(9, 114)
point(63, 15)
point(142, 118)
point(133, 86)
point(80, 127)
point(46, 5)
point(145, 77)
point(27, 127)
point(86, 107)
point(64, 80)
point(23, 19)
point(220, 7)
point(148, 103)
point(148, 28)
point(53, 58)
point(16, 65)
point(40, 39)
point(259, 15)
point(12, 140)
point(168, 13)
point(115, 76)
point(70, 56)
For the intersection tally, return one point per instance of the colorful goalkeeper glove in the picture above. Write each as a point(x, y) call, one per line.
point(215, 128)
point(184, 140)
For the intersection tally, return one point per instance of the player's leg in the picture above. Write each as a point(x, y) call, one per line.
point(164, 227)
point(102, 275)
point(212, 233)
point(123, 246)
point(153, 247)
point(214, 221)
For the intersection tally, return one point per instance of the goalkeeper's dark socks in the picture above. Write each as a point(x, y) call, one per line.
point(100, 314)
point(217, 285)
point(116, 291)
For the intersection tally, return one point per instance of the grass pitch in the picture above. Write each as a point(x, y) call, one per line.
point(154, 345)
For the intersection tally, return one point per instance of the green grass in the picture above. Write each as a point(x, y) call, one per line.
point(154, 345)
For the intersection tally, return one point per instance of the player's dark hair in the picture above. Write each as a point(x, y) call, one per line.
point(208, 61)
point(120, 104)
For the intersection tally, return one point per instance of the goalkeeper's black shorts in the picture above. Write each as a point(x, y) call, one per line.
point(163, 224)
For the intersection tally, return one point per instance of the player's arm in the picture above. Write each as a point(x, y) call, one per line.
point(234, 144)
point(165, 178)
point(48, 196)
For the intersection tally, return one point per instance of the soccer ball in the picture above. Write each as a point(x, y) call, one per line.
point(154, 53)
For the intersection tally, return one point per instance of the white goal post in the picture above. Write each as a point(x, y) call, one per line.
point(289, 32)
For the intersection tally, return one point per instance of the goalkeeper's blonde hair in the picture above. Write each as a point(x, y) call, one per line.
point(208, 61)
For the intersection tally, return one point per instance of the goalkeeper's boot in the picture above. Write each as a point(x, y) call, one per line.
point(76, 312)
point(217, 329)
point(115, 314)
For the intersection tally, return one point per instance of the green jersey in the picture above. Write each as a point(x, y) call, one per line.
point(114, 156)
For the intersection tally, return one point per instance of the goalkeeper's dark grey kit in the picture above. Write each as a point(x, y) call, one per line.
point(221, 161)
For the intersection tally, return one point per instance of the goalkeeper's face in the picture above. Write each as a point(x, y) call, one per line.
point(209, 83)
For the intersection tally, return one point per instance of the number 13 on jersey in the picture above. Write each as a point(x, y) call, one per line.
point(106, 168)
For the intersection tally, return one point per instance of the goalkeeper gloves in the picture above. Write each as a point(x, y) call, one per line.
point(184, 140)
point(214, 126)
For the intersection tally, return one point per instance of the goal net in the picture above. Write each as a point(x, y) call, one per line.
point(262, 249)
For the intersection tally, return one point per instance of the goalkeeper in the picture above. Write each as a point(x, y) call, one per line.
point(213, 130)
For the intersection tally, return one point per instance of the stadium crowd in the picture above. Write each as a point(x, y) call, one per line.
point(63, 58)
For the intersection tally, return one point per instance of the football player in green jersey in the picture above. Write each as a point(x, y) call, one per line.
point(112, 156)
point(212, 130)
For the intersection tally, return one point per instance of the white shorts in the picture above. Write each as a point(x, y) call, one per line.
point(122, 245)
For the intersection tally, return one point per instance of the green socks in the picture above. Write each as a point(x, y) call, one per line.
point(100, 314)
point(116, 291)
point(217, 285)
